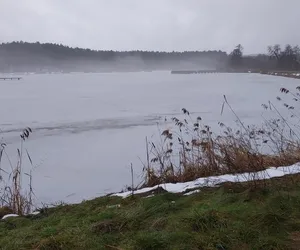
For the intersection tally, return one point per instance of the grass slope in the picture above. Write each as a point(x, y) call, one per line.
point(233, 216)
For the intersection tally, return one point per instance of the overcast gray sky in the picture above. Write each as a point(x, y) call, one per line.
point(153, 24)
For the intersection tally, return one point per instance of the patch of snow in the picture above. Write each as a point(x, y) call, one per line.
point(9, 215)
point(35, 213)
point(114, 206)
point(149, 196)
point(213, 181)
point(15, 215)
point(192, 192)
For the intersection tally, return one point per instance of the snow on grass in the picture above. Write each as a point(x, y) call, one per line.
point(216, 180)
point(35, 213)
point(9, 216)
point(192, 192)
point(16, 215)
point(149, 196)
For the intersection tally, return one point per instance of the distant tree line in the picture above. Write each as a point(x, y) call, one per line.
point(53, 49)
point(276, 58)
point(45, 57)
point(23, 56)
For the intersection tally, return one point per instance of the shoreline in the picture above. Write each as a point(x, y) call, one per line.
point(290, 74)
point(251, 214)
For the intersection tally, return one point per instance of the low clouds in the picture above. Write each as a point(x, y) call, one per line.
point(152, 25)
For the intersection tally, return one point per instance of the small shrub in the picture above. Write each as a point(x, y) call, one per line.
point(55, 243)
point(204, 221)
point(271, 222)
point(270, 243)
point(159, 224)
point(108, 226)
point(284, 204)
point(5, 210)
point(48, 231)
point(150, 241)
point(247, 234)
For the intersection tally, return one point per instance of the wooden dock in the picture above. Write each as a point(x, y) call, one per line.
point(10, 78)
point(291, 74)
point(207, 71)
point(194, 71)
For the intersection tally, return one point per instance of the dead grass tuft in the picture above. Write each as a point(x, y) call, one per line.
point(13, 194)
point(192, 150)
point(108, 226)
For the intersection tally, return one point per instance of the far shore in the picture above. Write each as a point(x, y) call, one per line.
point(291, 74)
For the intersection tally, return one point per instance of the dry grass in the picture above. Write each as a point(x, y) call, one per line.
point(193, 150)
point(14, 197)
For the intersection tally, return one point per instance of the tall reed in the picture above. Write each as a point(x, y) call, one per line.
point(192, 150)
point(13, 193)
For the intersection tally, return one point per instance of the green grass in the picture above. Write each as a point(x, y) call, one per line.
point(233, 216)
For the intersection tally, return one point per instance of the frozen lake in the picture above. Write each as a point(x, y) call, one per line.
point(88, 128)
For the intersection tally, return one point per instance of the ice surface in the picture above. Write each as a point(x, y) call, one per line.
point(88, 128)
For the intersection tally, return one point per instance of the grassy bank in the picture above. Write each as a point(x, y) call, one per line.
point(232, 216)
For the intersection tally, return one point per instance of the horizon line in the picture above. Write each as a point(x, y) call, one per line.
point(99, 50)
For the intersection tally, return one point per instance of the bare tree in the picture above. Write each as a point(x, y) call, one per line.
point(274, 51)
point(287, 59)
point(236, 56)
